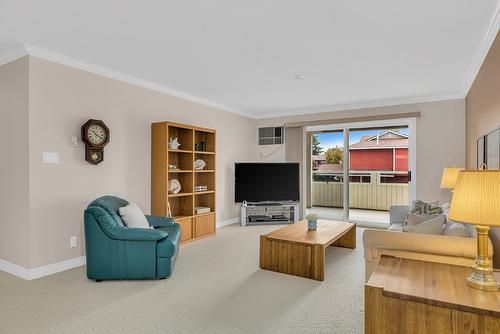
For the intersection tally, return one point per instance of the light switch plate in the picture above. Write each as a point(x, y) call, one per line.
point(50, 157)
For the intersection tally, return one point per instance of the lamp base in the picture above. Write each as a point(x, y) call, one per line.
point(482, 270)
point(483, 282)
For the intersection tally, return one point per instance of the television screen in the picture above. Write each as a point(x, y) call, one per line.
point(259, 182)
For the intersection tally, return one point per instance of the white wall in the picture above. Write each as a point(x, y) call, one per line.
point(440, 139)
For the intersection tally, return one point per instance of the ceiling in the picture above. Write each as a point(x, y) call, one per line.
point(242, 56)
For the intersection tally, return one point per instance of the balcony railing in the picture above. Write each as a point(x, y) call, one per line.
point(367, 190)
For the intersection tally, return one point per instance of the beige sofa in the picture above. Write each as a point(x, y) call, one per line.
point(427, 247)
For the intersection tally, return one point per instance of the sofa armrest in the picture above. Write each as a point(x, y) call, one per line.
point(397, 213)
point(158, 221)
point(419, 243)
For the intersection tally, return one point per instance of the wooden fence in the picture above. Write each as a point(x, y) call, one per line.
point(373, 195)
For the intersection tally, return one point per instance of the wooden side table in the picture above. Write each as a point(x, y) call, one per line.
point(410, 296)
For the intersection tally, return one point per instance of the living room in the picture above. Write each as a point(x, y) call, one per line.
point(148, 102)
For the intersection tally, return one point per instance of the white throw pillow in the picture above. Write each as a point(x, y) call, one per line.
point(133, 216)
point(432, 225)
point(413, 219)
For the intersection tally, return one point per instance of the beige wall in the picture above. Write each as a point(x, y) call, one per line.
point(14, 173)
point(440, 139)
point(61, 99)
point(483, 102)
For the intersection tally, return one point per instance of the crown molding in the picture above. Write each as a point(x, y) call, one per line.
point(27, 49)
point(116, 75)
point(362, 105)
point(13, 55)
point(488, 40)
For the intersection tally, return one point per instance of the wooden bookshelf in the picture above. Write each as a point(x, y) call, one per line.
point(182, 205)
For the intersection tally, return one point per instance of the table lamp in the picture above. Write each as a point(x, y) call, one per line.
point(476, 201)
point(450, 177)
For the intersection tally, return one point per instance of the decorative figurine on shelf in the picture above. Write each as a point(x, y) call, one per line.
point(174, 186)
point(173, 143)
point(312, 221)
point(172, 167)
point(199, 164)
point(201, 146)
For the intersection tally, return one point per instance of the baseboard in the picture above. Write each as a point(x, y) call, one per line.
point(15, 270)
point(55, 268)
point(38, 272)
point(231, 221)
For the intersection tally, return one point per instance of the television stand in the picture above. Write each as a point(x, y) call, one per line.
point(267, 204)
point(269, 213)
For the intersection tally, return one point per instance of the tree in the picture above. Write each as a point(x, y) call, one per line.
point(316, 149)
point(334, 155)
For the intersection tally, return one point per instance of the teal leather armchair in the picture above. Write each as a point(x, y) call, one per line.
point(117, 252)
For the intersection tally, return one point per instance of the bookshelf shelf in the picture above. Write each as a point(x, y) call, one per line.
point(204, 192)
point(180, 194)
point(203, 152)
point(180, 151)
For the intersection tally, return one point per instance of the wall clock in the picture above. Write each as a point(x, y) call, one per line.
point(95, 135)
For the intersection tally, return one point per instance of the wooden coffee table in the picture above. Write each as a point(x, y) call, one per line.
point(295, 250)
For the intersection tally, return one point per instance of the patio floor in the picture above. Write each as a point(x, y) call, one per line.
point(371, 218)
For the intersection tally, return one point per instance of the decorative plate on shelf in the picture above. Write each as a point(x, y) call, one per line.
point(199, 164)
point(174, 186)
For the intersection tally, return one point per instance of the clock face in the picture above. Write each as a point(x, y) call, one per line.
point(96, 134)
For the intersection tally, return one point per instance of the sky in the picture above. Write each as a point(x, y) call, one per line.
point(332, 139)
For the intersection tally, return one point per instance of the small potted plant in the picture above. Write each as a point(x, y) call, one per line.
point(312, 221)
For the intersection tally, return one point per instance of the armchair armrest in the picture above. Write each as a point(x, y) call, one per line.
point(157, 221)
point(139, 234)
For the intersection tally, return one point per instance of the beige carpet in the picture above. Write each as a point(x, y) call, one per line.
point(217, 287)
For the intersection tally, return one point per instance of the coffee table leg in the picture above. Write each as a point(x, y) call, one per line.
point(318, 263)
point(348, 240)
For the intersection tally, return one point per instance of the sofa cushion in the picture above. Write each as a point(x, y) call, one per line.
point(133, 216)
point(168, 246)
point(427, 224)
point(111, 204)
point(456, 229)
point(420, 207)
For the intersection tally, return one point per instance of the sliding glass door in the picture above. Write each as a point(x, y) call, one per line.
point(358, 172)
point(378, 173)
point(327, 171)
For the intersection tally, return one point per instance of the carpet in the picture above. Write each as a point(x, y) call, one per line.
point(216, 287)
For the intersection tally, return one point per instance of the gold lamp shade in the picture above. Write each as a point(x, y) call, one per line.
point(476, 201)
point(450, 177)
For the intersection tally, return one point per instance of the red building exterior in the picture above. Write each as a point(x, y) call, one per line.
point(385, 152)
point(384, 159)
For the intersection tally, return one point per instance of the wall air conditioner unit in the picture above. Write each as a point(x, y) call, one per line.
point(273, 135)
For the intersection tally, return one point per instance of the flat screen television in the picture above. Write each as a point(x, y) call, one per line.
point(262, 182)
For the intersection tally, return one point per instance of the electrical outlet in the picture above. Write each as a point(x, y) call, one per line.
point(73, 242)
